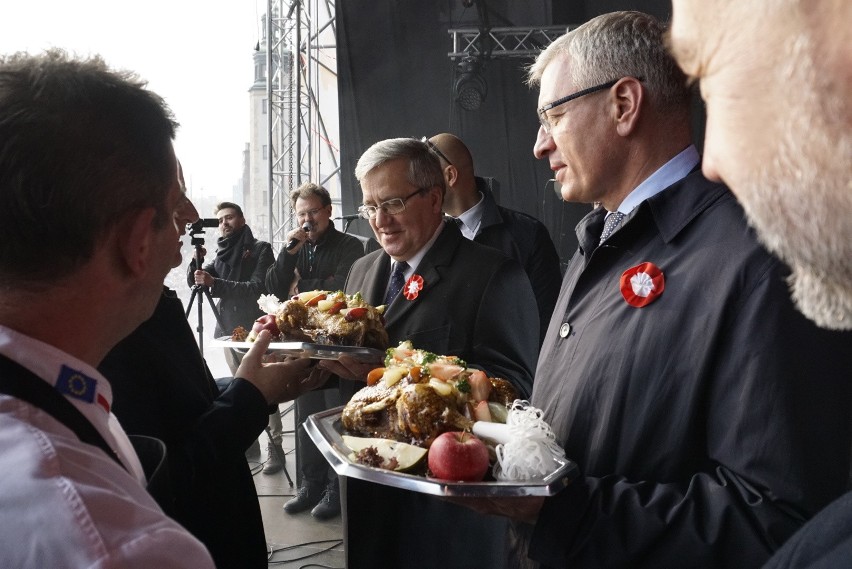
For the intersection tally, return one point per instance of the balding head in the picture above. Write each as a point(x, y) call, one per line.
point(457, 165)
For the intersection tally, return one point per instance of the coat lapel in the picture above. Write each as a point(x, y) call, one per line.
point(440, 255)
point(376, 280)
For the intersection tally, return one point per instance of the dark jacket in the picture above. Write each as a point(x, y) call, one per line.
point(162, 388)
point(708, 424)
point(333, 255)
point(825, 542)
point(238, 287)
point(477, 304)
point(525, 239)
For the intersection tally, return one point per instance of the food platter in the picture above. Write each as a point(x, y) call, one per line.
point(306, 350)
point(325, 430)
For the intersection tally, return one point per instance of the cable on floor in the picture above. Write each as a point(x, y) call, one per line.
point(334, 543)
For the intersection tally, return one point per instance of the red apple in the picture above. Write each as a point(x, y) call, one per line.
point(265, 322)
point(458, 456)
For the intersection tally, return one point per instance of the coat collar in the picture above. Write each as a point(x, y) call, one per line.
point(670, 211)
point(491, 212)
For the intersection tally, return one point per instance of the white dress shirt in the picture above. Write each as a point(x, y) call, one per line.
point(67, 504)
point(471, 220)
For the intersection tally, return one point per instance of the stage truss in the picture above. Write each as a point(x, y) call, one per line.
point(302, 121)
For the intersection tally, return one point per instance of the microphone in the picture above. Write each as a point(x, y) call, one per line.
point(555, 186)
point(293, 242)
point(348, 217)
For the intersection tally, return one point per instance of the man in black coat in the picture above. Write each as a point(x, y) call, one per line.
point(460, 298)
point(319, 260)
point(471, 203)
point(235, 276)
point(708, 417)
point(163, 388)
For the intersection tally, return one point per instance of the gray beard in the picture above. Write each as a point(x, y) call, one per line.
point(801, 203)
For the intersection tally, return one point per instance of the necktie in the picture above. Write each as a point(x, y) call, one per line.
point(396, 281)
point(612, 221)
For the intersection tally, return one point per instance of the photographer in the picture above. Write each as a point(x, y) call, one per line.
point(235, 276)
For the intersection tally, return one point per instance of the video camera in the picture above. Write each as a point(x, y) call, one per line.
point(199, 225)
point(196, 230)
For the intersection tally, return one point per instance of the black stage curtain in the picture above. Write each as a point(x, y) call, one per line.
point(395, 79)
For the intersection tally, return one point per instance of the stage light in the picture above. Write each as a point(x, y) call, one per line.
point(470, 88)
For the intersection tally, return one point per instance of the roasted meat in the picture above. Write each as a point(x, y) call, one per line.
point(333, 318)
point(419, 396)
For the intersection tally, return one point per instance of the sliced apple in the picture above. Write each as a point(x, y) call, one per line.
point(407, 456)
point(392, 375)
point(442, 388)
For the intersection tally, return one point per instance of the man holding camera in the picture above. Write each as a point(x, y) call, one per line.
point(235, 276)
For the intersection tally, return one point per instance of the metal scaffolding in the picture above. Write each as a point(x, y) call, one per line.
point(301, 88)
point(302, 110)
point(503, 42)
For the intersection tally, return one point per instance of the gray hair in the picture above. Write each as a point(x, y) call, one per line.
point(424, 168)
point(615, 45)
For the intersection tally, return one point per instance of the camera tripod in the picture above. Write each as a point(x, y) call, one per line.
point(201, 292)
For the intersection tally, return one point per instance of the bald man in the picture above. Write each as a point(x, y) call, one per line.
point(470, 201)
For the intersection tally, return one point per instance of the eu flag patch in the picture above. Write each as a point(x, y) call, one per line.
point(76, 384)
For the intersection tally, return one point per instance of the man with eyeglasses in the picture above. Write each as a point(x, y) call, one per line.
point(471, 204)
point(676, 371)
point(461, 298)
point(319, 260)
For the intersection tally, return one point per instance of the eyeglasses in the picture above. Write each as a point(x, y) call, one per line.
point(309, 213)
point(542, 112)
point(434, 148)
point(390, 207)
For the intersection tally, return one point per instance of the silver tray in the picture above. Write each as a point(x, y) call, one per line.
point(307, 350)
point(325, 430)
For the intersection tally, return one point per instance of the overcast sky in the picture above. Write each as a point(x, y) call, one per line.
point(197, 55)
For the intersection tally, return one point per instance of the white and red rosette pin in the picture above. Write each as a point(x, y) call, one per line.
point(412, 287)
point(643, 284)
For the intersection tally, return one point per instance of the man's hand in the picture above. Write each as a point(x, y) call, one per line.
point(279, 381)
point(348, 367)
point(203, 278)
point(299, 235)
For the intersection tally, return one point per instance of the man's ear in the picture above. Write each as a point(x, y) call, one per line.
point(629, 95)
point(451, 175)
point(136, 240)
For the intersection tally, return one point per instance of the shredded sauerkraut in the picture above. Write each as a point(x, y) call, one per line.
point(532, 447)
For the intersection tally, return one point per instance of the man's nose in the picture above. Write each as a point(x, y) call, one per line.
point(381, 217)
point(543, 144)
